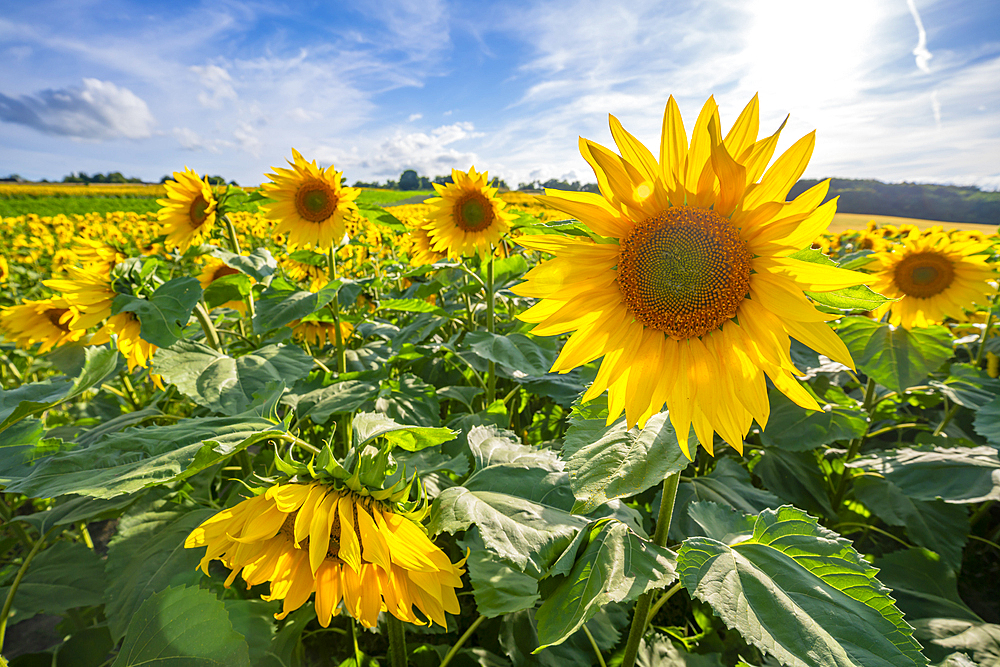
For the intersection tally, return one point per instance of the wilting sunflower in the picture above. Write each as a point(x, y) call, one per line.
point(46, 322)
point(320, 332)
point(466, 217)
point(212, 271)
point(689, 294)
point(933, 278)
point(188, 212)
point(126, 327)
point(89, 291)
point(310, 204)
point(311, 537)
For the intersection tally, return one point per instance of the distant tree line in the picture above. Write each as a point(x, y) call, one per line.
point(948, 203)
point(558, 185)
point(411, 180)
point(113, 177)
point(212, 180)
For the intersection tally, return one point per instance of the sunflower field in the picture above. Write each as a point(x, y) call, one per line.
point(675, 423)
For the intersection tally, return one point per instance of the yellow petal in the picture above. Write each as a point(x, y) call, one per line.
point(784, 173)
point(743, 133)
point(319, 530)
point(350, 549)
point(810, 276)
point(327, 591)
point(589, 208)
point(673, 146)
point(374, 548)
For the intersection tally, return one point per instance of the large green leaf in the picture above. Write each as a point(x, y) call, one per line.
point(616, 462)
point(369, 425)
point(182, 627)
point(518, 636)
point(345, 396)
point(933, 524)
point(29, 399)
point(987, 422)
point(412, 306)
point(259, 264)
point(800, 592)
point(793, 428)
point(498, 588)
point(856, 297)
point(282, 303)
point(516, 351)
point(143, 457)
point(968, 386)
point(923, 585)
point(165, 313)
point(959, 475)
point(409, 400)
point(616, 565)
point(661, 652)
point(980, 640)
point(224, 384)
point(518, 497)
point(147, 556)
point(234, 287)
point(728, 484)
point(796, 478)
point(254, 621)
point(63, 576)
point(895, 357)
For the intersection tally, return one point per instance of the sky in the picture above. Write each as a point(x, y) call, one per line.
point(898, 90)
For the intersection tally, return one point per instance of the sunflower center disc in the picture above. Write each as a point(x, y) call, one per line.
point(198, 213)
point(922, 275)
point(54, 315)
point(315, 201)
point(473, 212)
point(684, 271)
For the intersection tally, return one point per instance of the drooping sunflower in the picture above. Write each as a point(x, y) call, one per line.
point(466, 217)
point(689, 292)
point(188, 213)
point(933, 277)
point(311, 537)
point(310, 204)
point(319, 332)
point(89, 291)
point(213, 270)
point(46, 321)
point(126, 327)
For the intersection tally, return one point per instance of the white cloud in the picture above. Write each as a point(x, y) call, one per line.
point(218, 86)
point(99, 110)
point(920, 51)
point(414, 116)
point(429, 154)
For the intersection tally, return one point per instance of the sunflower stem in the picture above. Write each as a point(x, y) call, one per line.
point(593, 645)
point(453, 651)
point(211, 335)
point(491, 380)
point(5, 614)
point(982, 340)
point(354, 638)
point(397, 641)
point(855, 446)
point(331, 263)
point(640, 616)
point(130, 390)
point(235, 242)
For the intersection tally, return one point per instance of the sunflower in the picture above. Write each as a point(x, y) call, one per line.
point(420, 250)
point(687, 289)
point(212, 271)
point(320, 332)
point(310, 204)
point(46, 322)
point(466, 216)
point(126, 327)
point(311, 537)
point(4, 270)
point(188, 212)
point(933, 277)
point(89, 291)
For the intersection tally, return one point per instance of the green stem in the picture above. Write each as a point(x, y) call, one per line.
point(397, 641)
point(130, 391)
point(981, 512)
point(982, 340)
point(354, 638)
point(251, 310)
point(453, 651)
point(947, 418)
point(491, 380)
point(663, 599)
point(5, 614)
point(211, 335)
point(640, 615)
point(855, 446)
point(12, 368)
point(331, 265)
point(593, 644)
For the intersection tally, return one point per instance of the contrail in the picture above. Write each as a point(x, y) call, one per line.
point(921, 52)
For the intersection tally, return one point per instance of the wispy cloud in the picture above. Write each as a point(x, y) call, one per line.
point(429, 153)
point(97, 110)
point(920, 51)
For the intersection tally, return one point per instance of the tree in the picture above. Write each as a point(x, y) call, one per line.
point(409, 180)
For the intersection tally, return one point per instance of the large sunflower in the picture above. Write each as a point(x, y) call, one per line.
point(466, 216)
point(46, 322)
point(310, 204)
point(933, 277)
point(188, 212)
point(687, 290)
point(311, 537)
point(89, 291)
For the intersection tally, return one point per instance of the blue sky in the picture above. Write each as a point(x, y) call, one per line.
point(897, 89)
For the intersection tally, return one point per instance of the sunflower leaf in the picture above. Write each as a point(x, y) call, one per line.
point(957, 475)
point(64, 576)
point(183, 626)
point(234, 287)
point(923, 585)
point(987, 422)
point(29, 399)
point(412, 306)
point(800, 592)
point(616, 462)
point(224, 384)
point(615, 566)
point(259, 264)
point(281, 304)
point(369, 425)
point(165, 313)
point(793, 428)
point(895, 357)
point(856, 297)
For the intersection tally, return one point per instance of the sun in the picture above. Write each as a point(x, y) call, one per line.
point(934, 278)
point(686, 287)
point(466, 217)
point(309, 203)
